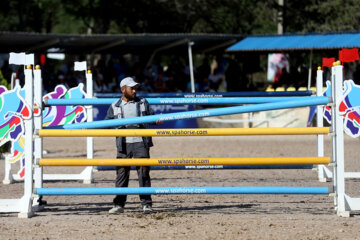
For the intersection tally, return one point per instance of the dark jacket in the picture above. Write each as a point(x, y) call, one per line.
point(142, 108)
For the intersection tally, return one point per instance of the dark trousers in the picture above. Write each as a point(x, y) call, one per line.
point(133, 150)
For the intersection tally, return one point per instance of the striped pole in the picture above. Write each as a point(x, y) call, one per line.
point(175, 101)
point(181, 190)
point(214, 167)
point(196, 114)
point(181, 132)
point(211, 94)
point(182, 161)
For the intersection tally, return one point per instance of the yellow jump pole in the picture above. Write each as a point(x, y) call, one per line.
point(183, 161)
point(181, 132)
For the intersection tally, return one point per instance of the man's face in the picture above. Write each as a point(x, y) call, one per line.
point(129, 92)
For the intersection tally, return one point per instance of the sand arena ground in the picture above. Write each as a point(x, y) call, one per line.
point(192, 216)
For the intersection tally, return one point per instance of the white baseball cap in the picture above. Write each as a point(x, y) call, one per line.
point(128, 81)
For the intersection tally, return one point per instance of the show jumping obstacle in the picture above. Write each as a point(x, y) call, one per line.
point(193, 161)
point(343, 203)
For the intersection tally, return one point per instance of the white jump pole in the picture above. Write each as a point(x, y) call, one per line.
point(26, 206)
point(38, 142)
point(323, 173)
point(339, 142)
point(88, 171)
point(334, 129)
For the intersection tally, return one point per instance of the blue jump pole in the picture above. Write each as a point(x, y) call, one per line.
point(175, 101)
point(215, 167)
point(181, 190)
point(211, 94)
point(196, 114)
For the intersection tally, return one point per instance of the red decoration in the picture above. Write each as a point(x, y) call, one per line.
point(42, 59)
point(349, 55)
point(328, 62)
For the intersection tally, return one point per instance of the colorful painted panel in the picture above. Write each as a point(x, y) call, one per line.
point(12, 117)
point(349, 107)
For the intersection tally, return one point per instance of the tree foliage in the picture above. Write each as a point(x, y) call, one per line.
point(177, 16)
point(322, 16)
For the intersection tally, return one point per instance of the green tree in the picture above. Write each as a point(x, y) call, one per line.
point(237, 17)
point(42, 16)
point(177, 16)
point(322, 16)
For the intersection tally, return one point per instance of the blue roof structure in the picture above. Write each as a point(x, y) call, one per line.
point(297, 42)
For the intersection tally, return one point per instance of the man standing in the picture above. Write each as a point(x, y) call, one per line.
point(131, 147)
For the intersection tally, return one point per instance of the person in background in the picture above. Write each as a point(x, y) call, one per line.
point(204, 85)
point(215, 80)
point(99, 83)
point(146, 85)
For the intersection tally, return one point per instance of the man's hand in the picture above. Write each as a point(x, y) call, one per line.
point(159, 122)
